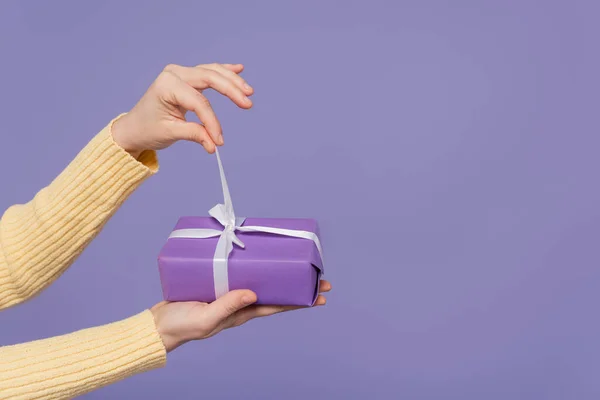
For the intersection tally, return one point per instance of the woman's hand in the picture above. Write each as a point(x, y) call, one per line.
point(178, 323)
point(158, 119)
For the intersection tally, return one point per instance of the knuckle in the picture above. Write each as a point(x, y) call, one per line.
point(230, 309)
point(164, 79)
point(170, 68)
point(194, 135)
point(204, 102)
point(209, 76)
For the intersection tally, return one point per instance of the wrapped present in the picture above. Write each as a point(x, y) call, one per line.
point(205, 257)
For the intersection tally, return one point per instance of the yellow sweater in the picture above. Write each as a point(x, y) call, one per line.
point(38, 242)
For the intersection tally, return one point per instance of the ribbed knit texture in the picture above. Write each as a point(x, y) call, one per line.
point(67, 366)
point(38, 242)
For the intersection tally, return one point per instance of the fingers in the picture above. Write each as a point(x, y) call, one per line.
point(190, 99)
point(229, 304)
point(237, 68)
point(234, 311)
point(190, 82)
point(266, 310)
point(232, 75)
point(228, 84)
point(216, 77)
point(259, 311)
point(321, 301)
point(324, 286)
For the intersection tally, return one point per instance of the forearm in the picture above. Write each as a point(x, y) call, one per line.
point(67, 366)
point(41, 239)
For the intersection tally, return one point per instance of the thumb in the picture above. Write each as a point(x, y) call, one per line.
point(230, 303)
point(194, 132)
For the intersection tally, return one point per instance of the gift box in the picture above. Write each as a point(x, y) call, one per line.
point(280, 259)
point(279, 269)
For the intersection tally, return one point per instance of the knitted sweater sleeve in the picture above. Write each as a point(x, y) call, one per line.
point(39, 240)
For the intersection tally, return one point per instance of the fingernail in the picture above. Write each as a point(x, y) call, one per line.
point(247, 87)
point(246, 300)
point(247, 100)
point(221, 141)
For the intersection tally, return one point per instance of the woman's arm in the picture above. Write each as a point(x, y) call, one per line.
point(41, 239)
point(67, 366)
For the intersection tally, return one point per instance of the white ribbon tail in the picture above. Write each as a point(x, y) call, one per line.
point(285, 232)
point(195, 233)
point(229, 213)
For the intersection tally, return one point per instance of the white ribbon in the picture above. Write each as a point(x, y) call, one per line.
point(225, 215)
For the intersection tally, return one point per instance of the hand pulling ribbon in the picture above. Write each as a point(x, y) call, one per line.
point(226, 217)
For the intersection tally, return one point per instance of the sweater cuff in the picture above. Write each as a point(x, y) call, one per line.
point(74, 364)
point(147, 158)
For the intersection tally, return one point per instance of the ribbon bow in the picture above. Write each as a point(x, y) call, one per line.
point(226, 216)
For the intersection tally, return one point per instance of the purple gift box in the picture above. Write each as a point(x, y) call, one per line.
point(281, 270)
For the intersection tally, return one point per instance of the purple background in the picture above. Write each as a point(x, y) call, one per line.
point(449, 151)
